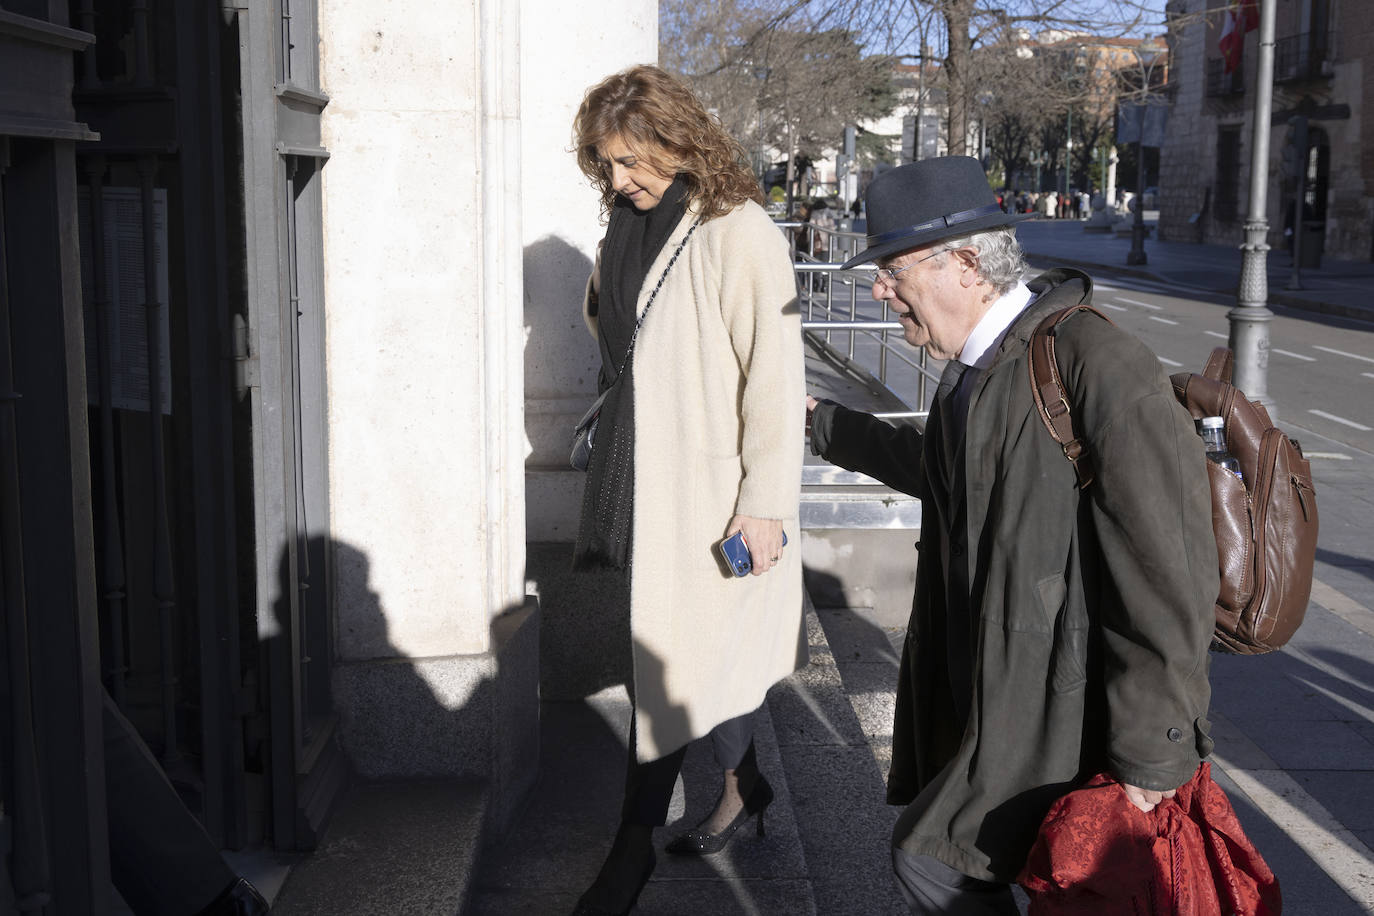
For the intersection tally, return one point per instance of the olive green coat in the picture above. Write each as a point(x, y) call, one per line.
point(1092, 610)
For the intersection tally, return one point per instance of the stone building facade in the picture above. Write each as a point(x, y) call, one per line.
point(1323, 72)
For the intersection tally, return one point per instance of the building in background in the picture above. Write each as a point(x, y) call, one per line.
point(1322, 72)
point(289, 301)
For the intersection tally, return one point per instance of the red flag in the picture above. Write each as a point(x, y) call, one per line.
point(1249, 14)
point(1232, 40)
point(1241, 16)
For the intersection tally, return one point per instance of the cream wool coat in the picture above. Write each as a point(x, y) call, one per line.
point(719, 395)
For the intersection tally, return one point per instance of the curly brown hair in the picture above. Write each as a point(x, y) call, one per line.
point(664, 124)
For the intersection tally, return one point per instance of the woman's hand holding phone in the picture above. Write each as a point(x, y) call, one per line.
point(763, 537)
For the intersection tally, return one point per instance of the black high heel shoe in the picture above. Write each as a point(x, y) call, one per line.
point(701, 843)
point(238, 899)
point(623, 875)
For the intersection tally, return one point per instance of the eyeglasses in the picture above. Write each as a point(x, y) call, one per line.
point(889, 274)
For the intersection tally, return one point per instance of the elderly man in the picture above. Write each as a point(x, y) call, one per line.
point(1055, 632)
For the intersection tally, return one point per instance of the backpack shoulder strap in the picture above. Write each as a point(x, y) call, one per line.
point(1051, 400)
point(1220, 364)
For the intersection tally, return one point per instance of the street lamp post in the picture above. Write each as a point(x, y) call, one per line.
point(1137, 253)
point(1251, 317)
point(1037, 159)
point(1068, 153)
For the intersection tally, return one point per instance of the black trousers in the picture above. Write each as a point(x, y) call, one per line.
point(931, 887)
point(649, 785)
point(161, 859)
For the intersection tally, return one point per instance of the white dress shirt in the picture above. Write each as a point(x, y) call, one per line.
point(981, 346)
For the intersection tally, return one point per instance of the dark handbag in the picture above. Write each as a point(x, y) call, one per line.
point(584, 433)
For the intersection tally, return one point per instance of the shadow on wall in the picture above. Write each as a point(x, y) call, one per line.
point(561, 368)
point(416, 717)
point(584, 644)
point(555, 278)
point(585, 636)
point(426, 736)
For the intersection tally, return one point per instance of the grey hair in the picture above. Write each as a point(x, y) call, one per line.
point(1001, 262)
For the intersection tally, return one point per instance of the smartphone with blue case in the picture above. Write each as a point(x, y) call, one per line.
point(736, 553)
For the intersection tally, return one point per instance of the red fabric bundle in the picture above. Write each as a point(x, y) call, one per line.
point(1099, 855)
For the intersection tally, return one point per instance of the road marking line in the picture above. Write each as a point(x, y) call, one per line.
point(1335, 419)
point(1349, 610)
point(1329, 843)
point(1367, 374)
point(1343, 353)
point(1329, 456)
point(1168, 362)
point(1144, 305)
point(1310, 359)
point(1161, 320)
point(1119, 308)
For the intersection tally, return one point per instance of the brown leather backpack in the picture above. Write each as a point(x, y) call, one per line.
point(1265, 526)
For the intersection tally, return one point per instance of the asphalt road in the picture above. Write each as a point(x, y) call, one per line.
point(1321, 369)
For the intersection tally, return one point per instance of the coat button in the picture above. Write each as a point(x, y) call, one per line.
point(957, 549)
point(1175, 735)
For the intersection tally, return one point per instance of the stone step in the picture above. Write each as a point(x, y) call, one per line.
point(397, 848)
point(557, 845)
point(836, 787)
point(866, 644)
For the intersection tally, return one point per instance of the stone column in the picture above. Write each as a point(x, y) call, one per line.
point(437, 645)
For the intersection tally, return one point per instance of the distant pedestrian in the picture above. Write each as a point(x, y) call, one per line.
point(1056, 631)
point(1049, 204)
point(801, 237)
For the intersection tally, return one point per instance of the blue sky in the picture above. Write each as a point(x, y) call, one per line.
point(1107, 13)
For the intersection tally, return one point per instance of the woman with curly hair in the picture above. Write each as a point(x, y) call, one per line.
point(693, 303)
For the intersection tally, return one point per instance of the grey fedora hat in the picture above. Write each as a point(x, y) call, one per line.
point(929, 200)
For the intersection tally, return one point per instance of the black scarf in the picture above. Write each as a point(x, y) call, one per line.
point(634, 239)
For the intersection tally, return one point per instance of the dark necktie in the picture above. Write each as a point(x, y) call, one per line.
point(949, 379)
point(950, 429)
point(951, 424)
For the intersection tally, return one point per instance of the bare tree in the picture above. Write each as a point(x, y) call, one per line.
point(773, 73)
point(786, 73)
point(1022, 94)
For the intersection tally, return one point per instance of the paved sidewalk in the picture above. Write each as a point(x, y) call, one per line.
point(1338, 287)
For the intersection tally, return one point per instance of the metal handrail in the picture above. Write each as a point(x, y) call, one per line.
point(818, 279)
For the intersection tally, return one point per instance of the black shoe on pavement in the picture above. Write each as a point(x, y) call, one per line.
point(238, 899)
point(623, 875)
